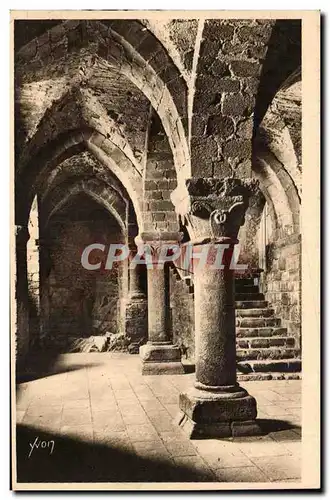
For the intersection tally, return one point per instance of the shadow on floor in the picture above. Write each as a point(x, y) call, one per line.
point(46, 364)
point(271, 425)
point(73, 460)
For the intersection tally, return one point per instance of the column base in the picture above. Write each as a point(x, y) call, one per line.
point(158, 359)
point(205, 414)
point(165, 368)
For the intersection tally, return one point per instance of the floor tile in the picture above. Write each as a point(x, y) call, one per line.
point(131, 419)
point(173, 409)
point(153, 405)
point(274, 410)
point(76, 416)
point(161, 420)
point(196, 466)
point(278, 468)
point(227, 460)
point(109, 403)
point(77, 403)
point(177, 445)
point(142, 433)
point(151, 449)
point(285, 435)
point(250, 474)
point(81, 432)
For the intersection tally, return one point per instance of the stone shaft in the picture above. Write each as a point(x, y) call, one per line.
point(216, 406)
point(158, 306)
point(215, 326)
point(137, 277)
point(159, 355)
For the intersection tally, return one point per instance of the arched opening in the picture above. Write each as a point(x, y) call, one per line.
point(81, 302)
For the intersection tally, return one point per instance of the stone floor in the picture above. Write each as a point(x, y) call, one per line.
point(111, 424)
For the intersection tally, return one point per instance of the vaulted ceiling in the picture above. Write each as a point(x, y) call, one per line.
point(85, 93)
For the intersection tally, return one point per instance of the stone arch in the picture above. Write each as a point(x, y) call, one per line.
point(276, 135)
point(80, 166)
point(65, 146)
point(286, 197)
point(76, 108)
point(161, 56)
point(96, 191)
point(278, 67)
point(275, 195)
point(280, 130)
point(178, 37)
point(115, 51)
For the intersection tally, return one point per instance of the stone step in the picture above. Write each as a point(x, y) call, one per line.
point(255, 313)
point(244, 281)
point(251, 304)
point(271, 365)
point(273, 353)
point(261, 332)
point(264, 342)
point(257, 322)
point(249, 296)
point(246, 288)
point(259, 376)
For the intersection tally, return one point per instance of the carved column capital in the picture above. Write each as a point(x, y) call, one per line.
point(213, 209)
point(155, 240)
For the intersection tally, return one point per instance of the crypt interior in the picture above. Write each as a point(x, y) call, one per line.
point(176, 131)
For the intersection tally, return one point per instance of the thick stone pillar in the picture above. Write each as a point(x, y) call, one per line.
point(216, 406)
point(136, 319)
point(159, 355)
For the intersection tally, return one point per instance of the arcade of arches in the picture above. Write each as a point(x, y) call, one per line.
point(146, 130)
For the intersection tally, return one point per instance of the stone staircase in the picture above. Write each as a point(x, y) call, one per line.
point(265, 350)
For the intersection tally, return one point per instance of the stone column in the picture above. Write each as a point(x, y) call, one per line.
point(136, 321)
point(216, 406)
point(137, 277)
point(159, 355)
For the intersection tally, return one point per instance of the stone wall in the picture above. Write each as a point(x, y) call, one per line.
point(281, 282)
point(32, 251)
point(83, 302)
point(228, 70)
point(160, 181)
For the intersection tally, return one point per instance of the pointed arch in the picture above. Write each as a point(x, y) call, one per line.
point(95, 39)
point(96, 191)
point(64, 147)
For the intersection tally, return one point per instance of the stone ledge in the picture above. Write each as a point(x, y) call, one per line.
point(160, 353)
